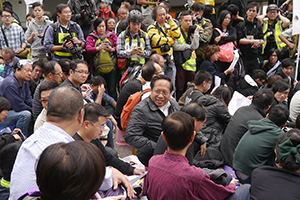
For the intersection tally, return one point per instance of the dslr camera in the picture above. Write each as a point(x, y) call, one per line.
point(164, 48)
point(76, 50)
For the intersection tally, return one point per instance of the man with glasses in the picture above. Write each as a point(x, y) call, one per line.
point(15, 88)
point(94, 122)
point(52, 72)
point(79, 73)
point(12, 35)
point(63, 38)
point(10, 60)
point(144, 126)
point(44, 91)
point(273, 24)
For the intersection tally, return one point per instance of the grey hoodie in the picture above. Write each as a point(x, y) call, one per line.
point(37, 49)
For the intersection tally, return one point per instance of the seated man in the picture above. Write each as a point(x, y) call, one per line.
point(98, 94)
point(203, 81)
point(36, 76)
point(249, 85)
point(64, 118)
point(237, 126)
point(256, 148)
point(10, 60)
point(44, 90)
point(94, 121)
point(52, 72)
point(144, 126)
point(149, 70)
point(79, 73)
point(15, 88)
point(172, 171)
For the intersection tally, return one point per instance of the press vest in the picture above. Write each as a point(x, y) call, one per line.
point(278, 30)
point(190, 64)
point(152, 6)
point(59, 34)
point(133, 42)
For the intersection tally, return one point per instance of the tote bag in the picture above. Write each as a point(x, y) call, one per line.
point(226, 50)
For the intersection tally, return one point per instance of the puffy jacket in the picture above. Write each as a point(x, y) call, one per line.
point(144, 127)
point(216, 120)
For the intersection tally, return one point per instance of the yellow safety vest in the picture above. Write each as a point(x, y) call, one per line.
point(134, 43)
point(278, 30)
point(190, 64)
point(152, 6)
point(208, 2)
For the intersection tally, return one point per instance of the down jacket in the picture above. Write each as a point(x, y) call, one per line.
point(216, 122)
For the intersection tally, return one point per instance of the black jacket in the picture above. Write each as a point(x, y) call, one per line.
point(245, 29)
point(122, 166)
point(248, 86)
point(144, 127)
point(236, 128)
point(216, 120)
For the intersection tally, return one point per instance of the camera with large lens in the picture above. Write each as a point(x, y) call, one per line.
point(164, 48)
point(76, 50)
point(192, 29)
point(271, 38)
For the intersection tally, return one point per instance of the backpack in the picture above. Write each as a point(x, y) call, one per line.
point(54, 26)
point(132, 101)
point(104, 61)
point(130, 74)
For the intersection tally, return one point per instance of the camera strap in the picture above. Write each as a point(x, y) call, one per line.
point(3, 33)
point(186, 37)
point(160, 29)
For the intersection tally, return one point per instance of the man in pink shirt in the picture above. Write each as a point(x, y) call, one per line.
point(171, 177)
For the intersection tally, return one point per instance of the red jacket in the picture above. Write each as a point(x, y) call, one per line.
point(106, 14)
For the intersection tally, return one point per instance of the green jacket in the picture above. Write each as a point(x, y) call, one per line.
point(257, 146)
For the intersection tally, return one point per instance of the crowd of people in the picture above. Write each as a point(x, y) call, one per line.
point(73, 78)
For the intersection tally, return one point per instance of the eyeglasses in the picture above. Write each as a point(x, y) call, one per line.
point(209, 82)
point(158, 92)
point(44, 100)
point(66, 13)
point(57, 74)
point(81, 72)
point(28, 70)
point(100, 126)
point(6, 16)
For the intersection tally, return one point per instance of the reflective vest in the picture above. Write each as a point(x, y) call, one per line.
point(104, 61)
point(208, 2)
point(59, 33)
point(190, 64)
point(139, 42)
point(278, 30)
point(151, 6)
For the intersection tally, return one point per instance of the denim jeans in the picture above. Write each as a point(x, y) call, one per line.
point(20, 119)
point(110, 79)
point(110, 138)
point(171, 73)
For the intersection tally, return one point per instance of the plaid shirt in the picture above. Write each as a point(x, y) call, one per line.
point(15, 37)
point(126, 53)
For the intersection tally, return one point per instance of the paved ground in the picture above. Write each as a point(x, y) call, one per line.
point(122, 150)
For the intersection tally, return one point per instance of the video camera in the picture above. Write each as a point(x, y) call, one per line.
point(87, 8)
point(77, 50)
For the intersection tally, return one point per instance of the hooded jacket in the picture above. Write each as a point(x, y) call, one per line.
point(216, 120)
point(256, 147)
point(37, 49)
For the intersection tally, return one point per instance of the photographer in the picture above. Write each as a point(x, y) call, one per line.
point(273, 24)
point(64, 38)
point(186, 44)
point(84, 12)
point(163, 34)
point(198, 10)
point(133, 43)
